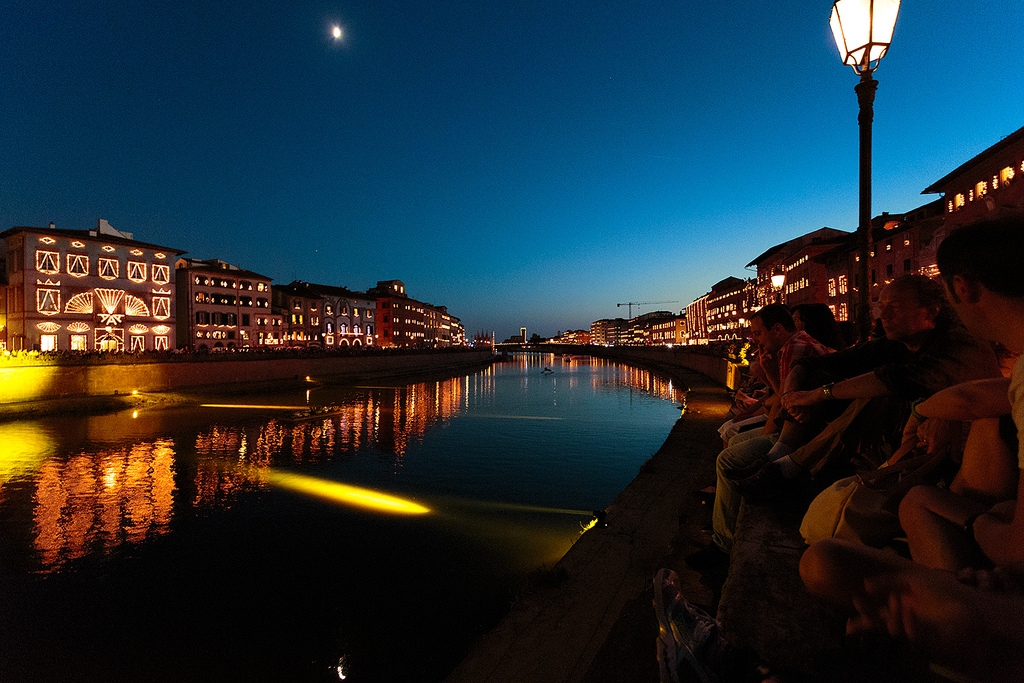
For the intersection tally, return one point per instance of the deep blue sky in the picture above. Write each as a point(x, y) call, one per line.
point(523, 162)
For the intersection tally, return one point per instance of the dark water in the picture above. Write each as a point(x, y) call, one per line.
point(177, 544)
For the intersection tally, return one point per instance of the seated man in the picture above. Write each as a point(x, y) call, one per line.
point(935, 520)
point(926, 349)
point(773, 332)
point(978, 632)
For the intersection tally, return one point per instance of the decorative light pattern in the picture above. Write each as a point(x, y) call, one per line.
point(47, 299)
point(108, 268)
point(48, 327)
point(135, 306)
point(138, 329)
point(161, 329)
point(47, 240)
point(160, 254)
point(78, 245)
point(78, 265)
point(136, 252)
point(108, 248)
point(161, 307)
point(78, 325)
point(161, 273)
point(47, 262)
point(109, 300)
point(79, 303)
point(137, 271)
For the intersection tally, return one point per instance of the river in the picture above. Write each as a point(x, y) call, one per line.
point(226, 541)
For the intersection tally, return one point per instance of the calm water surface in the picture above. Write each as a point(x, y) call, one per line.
point(178, 544)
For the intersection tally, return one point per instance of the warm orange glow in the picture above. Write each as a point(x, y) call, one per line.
point(343, 493)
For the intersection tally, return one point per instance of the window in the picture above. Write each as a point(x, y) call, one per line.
point(160, 343)
point(161, 273)
point(843, 315)
point(906, 265)
point(136, 273)
point(78, 265)
point(47, 342)
point(832, 287)
point(842, 284)
point(79, 342)
point(888, 271)
point(161, 307)
point(108, 268)
point(47, 261)
point(48, 300)
point(138, 343)
point(245, 320)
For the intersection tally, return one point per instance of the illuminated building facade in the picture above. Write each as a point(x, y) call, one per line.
point(441, 329)
point(86, 290)
point(697, 321)
point(400, 320)
point(730, 304)
point(222, 306)
point(579, 337)
point(668, 330)
point(348, 318)
point(789, 274)
point(609, 332)
point(986, 186)
point(301, 310)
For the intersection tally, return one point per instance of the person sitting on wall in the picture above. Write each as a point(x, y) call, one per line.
point(780, 345)
point(969, 621)
point(926, 349)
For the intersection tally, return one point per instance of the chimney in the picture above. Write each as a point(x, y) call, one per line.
point(52, 226)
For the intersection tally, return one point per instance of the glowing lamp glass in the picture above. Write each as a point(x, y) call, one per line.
point(863, 30)
point(778, 280)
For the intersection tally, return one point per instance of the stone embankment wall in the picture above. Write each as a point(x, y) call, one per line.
point(714, 367)
point(40, 381)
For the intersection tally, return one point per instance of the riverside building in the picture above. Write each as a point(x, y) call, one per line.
point(85, 290)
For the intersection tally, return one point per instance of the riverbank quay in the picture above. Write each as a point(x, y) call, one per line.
point(33, 384)
point(590, 617)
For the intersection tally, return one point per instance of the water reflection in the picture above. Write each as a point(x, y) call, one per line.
point(92, 502)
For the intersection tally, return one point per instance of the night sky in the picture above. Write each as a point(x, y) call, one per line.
point(525, 163)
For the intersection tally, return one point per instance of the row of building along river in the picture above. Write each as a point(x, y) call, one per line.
point(231, 541)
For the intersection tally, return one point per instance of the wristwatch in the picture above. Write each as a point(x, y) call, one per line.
point(827, 390)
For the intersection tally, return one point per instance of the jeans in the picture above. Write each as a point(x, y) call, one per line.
point(742, 453)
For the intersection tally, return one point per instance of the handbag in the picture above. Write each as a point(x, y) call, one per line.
point(863, 508)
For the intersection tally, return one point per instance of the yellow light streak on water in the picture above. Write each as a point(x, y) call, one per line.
point(23, 448)
point(253, 407)
point(343, 493)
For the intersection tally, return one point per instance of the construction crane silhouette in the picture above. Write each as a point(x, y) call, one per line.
point(631, 304)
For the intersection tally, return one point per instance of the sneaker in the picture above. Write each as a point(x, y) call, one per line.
point(685, 631)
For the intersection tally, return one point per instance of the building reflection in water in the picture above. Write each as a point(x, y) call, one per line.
point(92, 501)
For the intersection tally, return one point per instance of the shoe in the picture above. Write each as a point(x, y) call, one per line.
point(767, 484)
point(685, 631)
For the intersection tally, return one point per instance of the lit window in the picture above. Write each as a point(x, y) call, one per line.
point(79, 342)
point(136, 272)
point(138, 343)
point(47, 262)
point(160, 343)
point(1006, 175)
point(78, 265)
point(161, 273)
point(842, 284)
point(832, 287)
point(843, 315)
point(981, 189)
point(48, 300)
point(161, 307)
point(108, 268)
point(47, 342)
point(958, 201)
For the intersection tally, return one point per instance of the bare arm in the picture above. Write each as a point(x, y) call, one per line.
point(1000, 532)
point(969, 401)
point(862, 386)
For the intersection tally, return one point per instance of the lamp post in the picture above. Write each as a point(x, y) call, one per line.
point(863, 31)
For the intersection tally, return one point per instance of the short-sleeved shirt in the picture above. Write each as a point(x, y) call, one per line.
point(800, 345)
point(1017, 407)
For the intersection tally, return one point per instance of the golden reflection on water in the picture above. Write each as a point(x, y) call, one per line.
point(95, 501)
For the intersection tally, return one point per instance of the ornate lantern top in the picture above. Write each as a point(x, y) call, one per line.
point(863, 30)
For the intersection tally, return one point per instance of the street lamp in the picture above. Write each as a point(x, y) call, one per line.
point(863, 30)
point(778, 279)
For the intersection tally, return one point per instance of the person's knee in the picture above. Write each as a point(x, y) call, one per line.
point(915, 502)
point(817, 567)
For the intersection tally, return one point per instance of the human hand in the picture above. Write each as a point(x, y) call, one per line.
point(936, 433)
